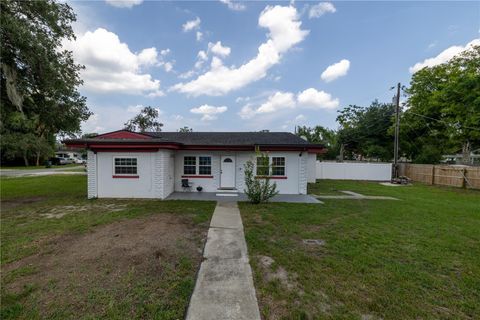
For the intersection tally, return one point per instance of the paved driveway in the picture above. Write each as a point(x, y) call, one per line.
point(40, 172)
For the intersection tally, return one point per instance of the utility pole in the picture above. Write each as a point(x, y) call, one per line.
point(397, 129)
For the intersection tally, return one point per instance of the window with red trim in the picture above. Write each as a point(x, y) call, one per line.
point(125, 166)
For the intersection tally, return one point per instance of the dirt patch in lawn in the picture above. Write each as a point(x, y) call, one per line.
point(111, 258)
point(60, 211)
point(9, 204)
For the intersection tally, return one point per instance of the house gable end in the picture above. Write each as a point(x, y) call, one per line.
point(123, 134)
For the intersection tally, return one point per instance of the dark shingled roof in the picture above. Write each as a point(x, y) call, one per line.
point(230, 138)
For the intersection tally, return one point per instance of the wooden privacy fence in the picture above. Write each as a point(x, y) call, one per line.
point(463, 177)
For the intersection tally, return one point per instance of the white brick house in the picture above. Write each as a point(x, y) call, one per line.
point(124, 164)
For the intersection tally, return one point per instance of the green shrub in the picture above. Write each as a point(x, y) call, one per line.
point(258, 190)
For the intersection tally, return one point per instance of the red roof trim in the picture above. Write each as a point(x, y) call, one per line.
point(123, 134)
point(125, 150)
point(121, 146)
point(317, 150)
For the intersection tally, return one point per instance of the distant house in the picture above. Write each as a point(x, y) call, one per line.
point(458, 158)
point(125, 164)
point(68, 154)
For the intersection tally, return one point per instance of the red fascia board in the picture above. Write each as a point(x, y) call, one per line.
point(212, 148)
point(317, 150)
point(121, 146)
point(125, 150)
point(250, 148)
point(76, 145)
point(123, 134)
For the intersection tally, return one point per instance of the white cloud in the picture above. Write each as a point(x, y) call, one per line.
point(444, 56)
point(187, 74)
point(191, 25)
point(111, 66)
point(137, 108)
point(165, 52)
point(218, 49)
point(92, 125)
point(280, 101)
point(123, 3)
point(284, 33)
point(320, 9)
point(234, 5)
point(202, 55)
point(300, 118)
point(336, 70)
point(277, 101)
point(311, 98)
point(199, 36)
point(208, 112)
point(148, 57)
point(168, 66)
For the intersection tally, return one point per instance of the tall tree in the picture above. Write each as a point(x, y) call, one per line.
point(185, 129)
point(146, 120)
point(365, 132)
point(444, 108)
point(321, 135)
point(39, 80)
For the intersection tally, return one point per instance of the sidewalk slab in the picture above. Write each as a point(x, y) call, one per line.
point(224, 288)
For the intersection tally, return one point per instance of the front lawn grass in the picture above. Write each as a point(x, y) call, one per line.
point(137, 272)
point(417, 258)
point(69, 165)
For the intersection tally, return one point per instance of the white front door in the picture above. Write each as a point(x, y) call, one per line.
point(227, 172)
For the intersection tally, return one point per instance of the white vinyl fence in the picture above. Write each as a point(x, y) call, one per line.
point(354, 171)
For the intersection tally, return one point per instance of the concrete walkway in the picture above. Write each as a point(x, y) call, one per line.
point(355, 196)
point(224, 287)
point(229, 197)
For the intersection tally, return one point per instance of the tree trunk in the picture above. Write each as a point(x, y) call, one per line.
point(25, 159)
point(466, 153)
point(38, 159)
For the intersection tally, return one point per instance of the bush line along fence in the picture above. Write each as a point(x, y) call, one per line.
point(462, 177)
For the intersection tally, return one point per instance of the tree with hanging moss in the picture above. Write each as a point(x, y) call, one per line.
point(39, 79)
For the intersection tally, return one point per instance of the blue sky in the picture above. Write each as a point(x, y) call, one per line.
point(243, 66)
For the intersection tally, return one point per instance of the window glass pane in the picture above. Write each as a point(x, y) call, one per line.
point(278, 166)
point(262, 166)
point(262, 161)
point(189, 170)
point(278, 161)
point(278, 171)
point(262, 171)
point(204, 161)
point(125, 166)
point(190, 161)
point(205, 170)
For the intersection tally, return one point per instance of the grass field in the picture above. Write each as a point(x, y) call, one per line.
point(417, 258)
point(39, 167)
point(66, 257)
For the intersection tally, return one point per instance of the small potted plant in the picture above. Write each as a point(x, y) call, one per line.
point(199, 188)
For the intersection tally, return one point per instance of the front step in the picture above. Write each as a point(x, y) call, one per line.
point(227, 190)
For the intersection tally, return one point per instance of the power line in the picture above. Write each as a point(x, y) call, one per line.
point(442, 121)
